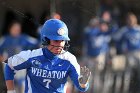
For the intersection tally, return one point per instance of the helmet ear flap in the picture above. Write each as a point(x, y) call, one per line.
point(45, 41)
point(67, 45)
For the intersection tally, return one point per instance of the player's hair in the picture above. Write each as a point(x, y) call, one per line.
point(46, 41)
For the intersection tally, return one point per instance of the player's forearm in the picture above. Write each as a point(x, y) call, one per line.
point(2, 58)
point(81, 87)
point(10, 85)
point(9, 77)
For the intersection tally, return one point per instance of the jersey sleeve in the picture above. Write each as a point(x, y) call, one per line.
point(8, 73)
point(19, 61)
point(75, 73)
point(16, 62)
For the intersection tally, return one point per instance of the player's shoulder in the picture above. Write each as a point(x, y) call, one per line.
point(31, 53)
point(30, 39)
point(123, 29)
point(67, 56)
point(137, 28)
point(36, 52)
point(2, 40)
point(118, 34)
point(70, 58)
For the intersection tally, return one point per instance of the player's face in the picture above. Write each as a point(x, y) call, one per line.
point(104, 27)
point(56, 46)
point(15, 30)
point(132, 20)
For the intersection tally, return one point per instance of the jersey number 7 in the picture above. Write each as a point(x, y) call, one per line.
point(48, 81)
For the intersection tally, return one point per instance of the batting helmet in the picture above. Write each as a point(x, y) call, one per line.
point(54, 29)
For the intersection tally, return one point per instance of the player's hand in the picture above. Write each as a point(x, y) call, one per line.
point(84, 76)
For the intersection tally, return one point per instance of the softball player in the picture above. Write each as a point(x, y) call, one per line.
point(48, 67)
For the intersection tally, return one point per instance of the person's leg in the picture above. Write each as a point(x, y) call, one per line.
point(137, 56)
point(133, 64)
point(101, 62)
point(3, 88)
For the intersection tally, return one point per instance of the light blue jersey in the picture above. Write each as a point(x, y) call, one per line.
point(96, 42)
point(46, 72)
point(128, 38)
point(12, 45)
